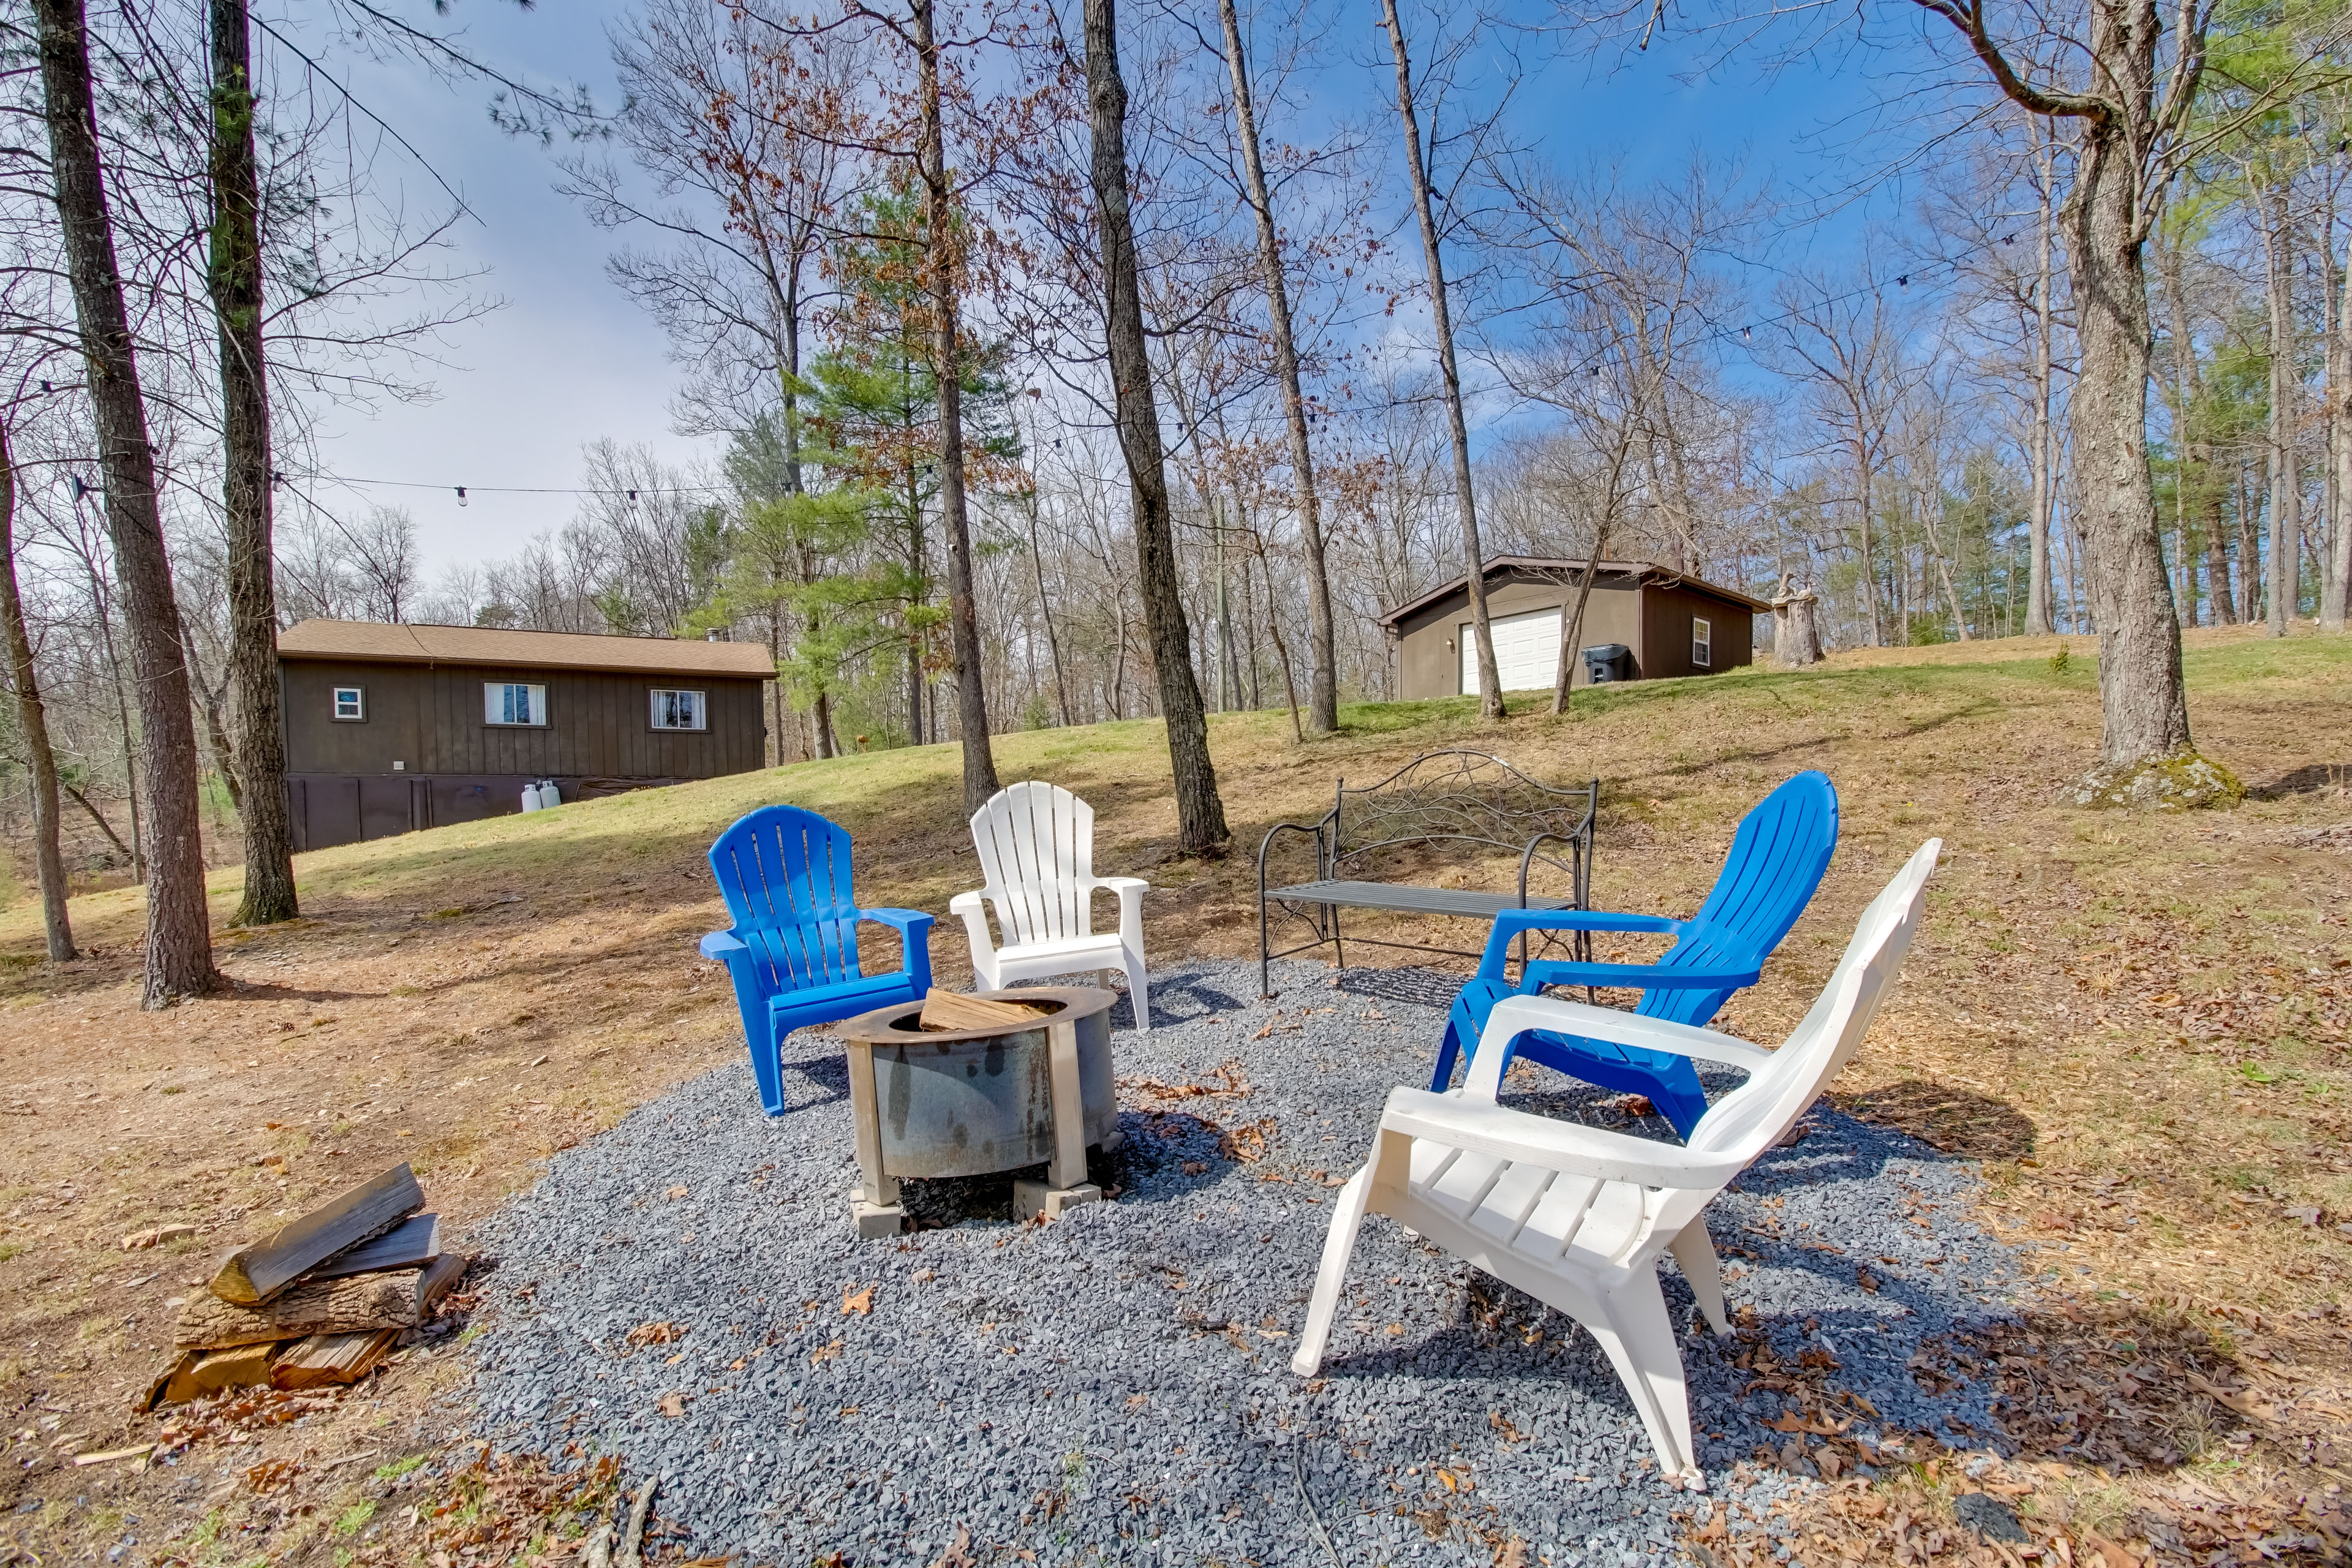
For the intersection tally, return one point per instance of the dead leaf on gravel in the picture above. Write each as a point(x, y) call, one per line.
point(673, 1406)
point(958, 1554)
point(861, 1303)
point(659, 1333)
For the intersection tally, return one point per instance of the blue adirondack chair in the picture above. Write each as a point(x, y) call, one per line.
point(793, 952)
point(1777, 859)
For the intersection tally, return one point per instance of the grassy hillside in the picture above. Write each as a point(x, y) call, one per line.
point(2138, 1023)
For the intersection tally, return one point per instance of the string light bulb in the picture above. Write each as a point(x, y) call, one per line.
point(461, 495)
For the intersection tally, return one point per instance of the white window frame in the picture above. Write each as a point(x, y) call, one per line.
point(495, 705)
point(701, 709)
point(1702, 642)
point(358, 694)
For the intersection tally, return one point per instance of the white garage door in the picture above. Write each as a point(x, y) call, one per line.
point(1526, 651)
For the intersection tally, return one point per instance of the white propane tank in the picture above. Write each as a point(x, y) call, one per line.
point(531, 797)
point(548, 795)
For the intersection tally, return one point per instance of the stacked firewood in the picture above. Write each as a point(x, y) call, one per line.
point(322, 1299)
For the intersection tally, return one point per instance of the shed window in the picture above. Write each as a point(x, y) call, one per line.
point(679, 710)
point(1702, 642)
point(504, 703)
point(351, 704)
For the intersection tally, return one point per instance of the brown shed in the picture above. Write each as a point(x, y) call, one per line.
point(394, 728)
point(1673, 624)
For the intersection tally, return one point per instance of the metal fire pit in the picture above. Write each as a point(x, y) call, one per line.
point(968, 1103)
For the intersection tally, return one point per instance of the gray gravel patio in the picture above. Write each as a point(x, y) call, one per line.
point(1115, 1386)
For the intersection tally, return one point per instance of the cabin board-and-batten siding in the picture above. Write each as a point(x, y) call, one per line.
point(430, 718)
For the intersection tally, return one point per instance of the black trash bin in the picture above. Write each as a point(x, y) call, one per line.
point(1608, 661)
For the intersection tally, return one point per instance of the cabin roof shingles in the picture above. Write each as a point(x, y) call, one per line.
point(375, 642)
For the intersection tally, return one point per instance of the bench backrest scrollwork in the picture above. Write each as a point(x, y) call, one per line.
point(1464, 798)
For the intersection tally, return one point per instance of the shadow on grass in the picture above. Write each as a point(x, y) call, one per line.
point(2312, 778)
point(1951, 1120)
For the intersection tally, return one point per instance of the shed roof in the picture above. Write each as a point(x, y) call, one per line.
point(379, 643)
point(1643, 572)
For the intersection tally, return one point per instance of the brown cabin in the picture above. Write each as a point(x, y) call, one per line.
point(394, 728)
point(1671, 622)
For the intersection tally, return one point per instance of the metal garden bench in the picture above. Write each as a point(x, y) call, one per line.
point(1449, 799)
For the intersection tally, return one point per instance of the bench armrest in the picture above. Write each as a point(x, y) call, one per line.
point(722, 946)
point(1312, 830)
point(1460, 1122)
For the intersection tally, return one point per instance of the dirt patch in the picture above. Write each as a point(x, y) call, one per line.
point(2137, 1025)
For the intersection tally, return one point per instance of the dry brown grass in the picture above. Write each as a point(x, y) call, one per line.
point(2137, 1025)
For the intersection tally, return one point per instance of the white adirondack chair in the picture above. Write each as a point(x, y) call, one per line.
point(1036, 844)
point(1576, 1216)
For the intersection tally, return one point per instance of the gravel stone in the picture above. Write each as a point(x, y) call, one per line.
point(1115, 1385)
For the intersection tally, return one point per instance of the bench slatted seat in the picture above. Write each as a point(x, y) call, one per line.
point(1452, 799)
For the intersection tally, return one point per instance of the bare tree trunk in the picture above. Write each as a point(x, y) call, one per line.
point(1323, 680)
point(257, 782)
point(2038, 623)
point(1274, 623)
point(104, 826)
point(1573, 634)
point(2332, 607)
point(1200, 811)
point(2249, 583)
point(1474, 559)
point(2143, 709)
point(179, 957)
point(130, 769)
point(32, 717)
point(2285, 477)
point(208, 702)
point(1045, 613)
point(947, 374)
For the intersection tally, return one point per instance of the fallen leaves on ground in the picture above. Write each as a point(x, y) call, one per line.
point(861, 1302)
point(1227, 1082)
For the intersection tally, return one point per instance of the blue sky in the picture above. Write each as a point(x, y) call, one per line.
point(568, 359)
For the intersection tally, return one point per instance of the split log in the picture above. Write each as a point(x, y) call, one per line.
point(235, 1368)
point(199, 1372)
point(400, 1299)
point(953, 1010)
point(252, 1275)
point(411, 1244)
point(332, 1358)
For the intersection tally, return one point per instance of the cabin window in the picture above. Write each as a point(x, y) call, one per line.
point(1702, 642)
point(351, 704)
point(513, 703)
point(679, 710)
